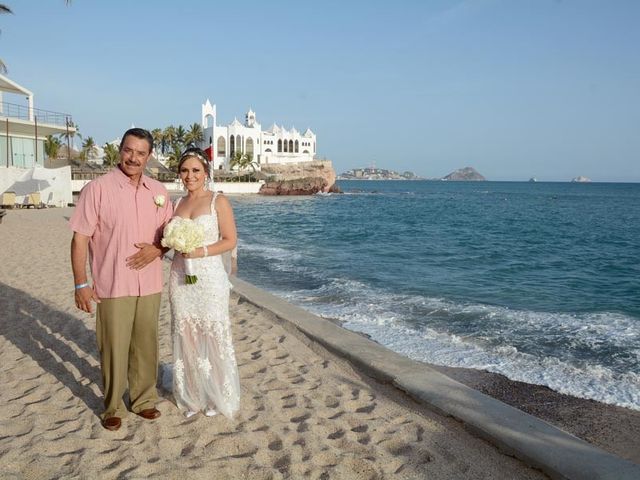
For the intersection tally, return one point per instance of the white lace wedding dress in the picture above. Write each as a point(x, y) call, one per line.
point(205, 373)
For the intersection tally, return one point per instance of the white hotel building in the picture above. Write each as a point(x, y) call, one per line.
point(276, 145)
point(23, 131)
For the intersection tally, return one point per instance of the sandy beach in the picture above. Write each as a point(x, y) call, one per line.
point(304, 413)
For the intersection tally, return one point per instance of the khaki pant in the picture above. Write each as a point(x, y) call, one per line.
point(127, 331)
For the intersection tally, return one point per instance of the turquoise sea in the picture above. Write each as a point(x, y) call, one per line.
point(537, 281)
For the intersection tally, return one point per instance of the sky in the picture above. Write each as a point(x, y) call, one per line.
point(514, 88)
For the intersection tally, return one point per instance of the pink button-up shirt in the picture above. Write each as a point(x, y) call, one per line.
point(117, 215)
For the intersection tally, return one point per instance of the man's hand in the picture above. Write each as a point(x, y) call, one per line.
point(79, 250)
point(147, 254)
point(84, 296)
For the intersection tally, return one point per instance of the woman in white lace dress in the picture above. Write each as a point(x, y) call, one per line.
point(205, 373)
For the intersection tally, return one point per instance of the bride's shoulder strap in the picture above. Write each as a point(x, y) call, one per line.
point(177, 202)
point(213, 199)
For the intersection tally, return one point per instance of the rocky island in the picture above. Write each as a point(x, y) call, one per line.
point(373, 173)
point(464, 175)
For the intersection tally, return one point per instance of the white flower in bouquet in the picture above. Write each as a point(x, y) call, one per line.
point(184, 236)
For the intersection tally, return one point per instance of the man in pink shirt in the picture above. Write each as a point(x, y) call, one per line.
point(119, 220)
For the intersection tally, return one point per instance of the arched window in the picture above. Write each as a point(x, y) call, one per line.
point(297, 146)
point(232, 145)
point(286, 146)
point(291, 146)
point(221, 146)
point(279, 145)
point(249, 149)
point(306, 151)
point(268, 150)
point(239, 143)
point(208, 121)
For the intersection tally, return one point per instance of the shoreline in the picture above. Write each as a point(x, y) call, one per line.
point(304, 411)
point(613, 428)
point(608, 434)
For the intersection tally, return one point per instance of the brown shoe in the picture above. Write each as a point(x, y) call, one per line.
point(112, 423)
point(149, 413)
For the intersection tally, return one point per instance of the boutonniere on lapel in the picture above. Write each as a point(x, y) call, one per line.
point(159, 200)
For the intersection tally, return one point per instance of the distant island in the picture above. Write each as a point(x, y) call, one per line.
point(372, 173)
point(464, 175)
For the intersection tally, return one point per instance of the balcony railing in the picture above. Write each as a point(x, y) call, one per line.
point(23, 112)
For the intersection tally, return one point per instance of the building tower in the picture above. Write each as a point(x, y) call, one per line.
point(250, 118)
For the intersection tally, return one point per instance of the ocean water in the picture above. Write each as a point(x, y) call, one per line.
point(537, 281)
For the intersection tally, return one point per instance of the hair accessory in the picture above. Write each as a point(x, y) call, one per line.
point(194, 153)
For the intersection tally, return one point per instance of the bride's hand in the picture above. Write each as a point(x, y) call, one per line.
point(197, 253)
point(147, 254)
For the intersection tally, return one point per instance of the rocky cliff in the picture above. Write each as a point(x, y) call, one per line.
point(464, 174)
point(304, 178)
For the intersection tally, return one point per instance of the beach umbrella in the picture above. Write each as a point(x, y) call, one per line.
point(29, 182)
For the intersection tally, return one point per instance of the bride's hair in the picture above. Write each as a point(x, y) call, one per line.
point(194, 152)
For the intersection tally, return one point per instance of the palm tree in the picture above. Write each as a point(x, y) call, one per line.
point(242, 161)
point(87, 148)
point(168, 137)
point(194, 136)
point(180, 135)
point(236, 162)
point(174, 158)
point(52, 147)
point(111, 154)
point(69, 134)
point(246, 161)
point(156, 133)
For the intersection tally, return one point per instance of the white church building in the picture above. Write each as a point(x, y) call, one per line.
point(275, 145)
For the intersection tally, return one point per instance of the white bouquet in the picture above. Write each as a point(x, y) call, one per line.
point(184, 236)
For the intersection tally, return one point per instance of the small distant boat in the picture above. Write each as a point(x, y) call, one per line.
point(533, 179)
point(581, 179)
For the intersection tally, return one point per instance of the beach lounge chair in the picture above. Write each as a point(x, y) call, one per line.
point(8, 200)
point(32, 200)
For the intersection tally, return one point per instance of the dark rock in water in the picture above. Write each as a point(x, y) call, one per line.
point(464, 174)
point(335, 189)
point(300, 186)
